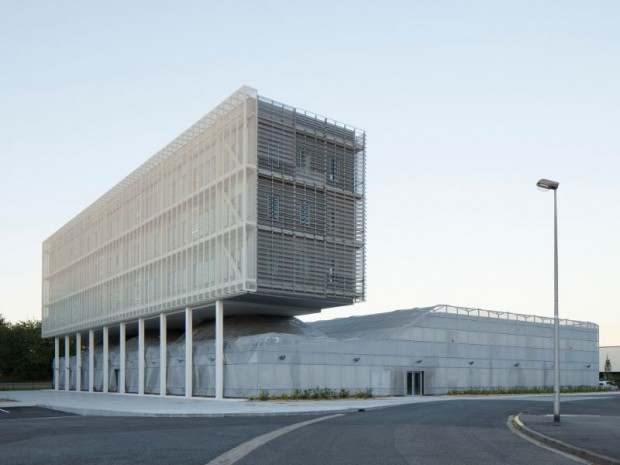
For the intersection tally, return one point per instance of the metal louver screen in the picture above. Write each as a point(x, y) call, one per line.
point(311, 205)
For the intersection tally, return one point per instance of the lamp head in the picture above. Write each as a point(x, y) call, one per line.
point(547, 184)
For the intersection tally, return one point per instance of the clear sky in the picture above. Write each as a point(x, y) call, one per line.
point(466, 105)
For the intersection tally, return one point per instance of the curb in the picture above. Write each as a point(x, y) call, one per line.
point(17, 404)
point(593, 457)
point(122, 413)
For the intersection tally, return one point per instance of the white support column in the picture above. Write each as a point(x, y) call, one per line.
point(219, 349)
point(56, 363)
point(67, 365)
point(106, 369)
point(189, 359)
point(122, 355)
point(91, 360)
point(163, 354)
point(141, 356)
point(78, 362)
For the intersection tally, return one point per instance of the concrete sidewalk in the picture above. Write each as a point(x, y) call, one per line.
point(595, 438)
point(84, 403)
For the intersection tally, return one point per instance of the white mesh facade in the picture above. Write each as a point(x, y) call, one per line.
point(178, 231)
point(258, 202)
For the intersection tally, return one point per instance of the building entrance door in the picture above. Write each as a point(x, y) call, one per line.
point(415, 383)
point(418, 383)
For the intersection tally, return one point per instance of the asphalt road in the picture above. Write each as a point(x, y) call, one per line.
point(446, 432)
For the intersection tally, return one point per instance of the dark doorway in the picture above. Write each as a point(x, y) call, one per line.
point(418, 383)
point(415, 383)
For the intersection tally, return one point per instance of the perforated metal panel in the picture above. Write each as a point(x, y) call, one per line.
point(255, 198)
point(311, 205)
point(179, 230)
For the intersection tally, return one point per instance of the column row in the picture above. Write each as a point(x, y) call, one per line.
point(122, 372)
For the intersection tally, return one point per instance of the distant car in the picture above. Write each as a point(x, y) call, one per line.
point(607, 384)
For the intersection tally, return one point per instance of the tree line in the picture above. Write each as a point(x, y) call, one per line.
point(24, 354)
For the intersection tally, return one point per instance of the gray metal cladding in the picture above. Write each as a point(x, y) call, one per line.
point(311, 204)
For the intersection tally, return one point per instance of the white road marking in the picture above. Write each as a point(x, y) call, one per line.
point(237, 453)
point(5, 411)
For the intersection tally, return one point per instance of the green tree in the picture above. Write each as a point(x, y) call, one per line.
point(5, 329)
point(34, 358)
point(24, 355)
point(607, 368)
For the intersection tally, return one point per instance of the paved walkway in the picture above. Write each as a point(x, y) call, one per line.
point(84, 403)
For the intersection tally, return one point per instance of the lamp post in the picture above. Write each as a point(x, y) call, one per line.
point(546, 184)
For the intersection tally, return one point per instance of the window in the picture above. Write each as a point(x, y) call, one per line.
point(275, 263)
point(304, 214)
point(303, 158)
point(302, 267)
point(273, 209)
point(273, 153)
point(334, 169)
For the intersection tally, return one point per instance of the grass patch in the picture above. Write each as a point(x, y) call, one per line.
point(523, 390)
point(25, 386)
point(316, 393)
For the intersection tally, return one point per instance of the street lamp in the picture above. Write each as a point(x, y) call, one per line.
point(546, 184)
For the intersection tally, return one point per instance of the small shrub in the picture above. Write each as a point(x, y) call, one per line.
point(364, 394)
point(317, 393)
point(520, 390)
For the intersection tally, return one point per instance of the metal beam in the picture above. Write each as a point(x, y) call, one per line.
point(219, 349)
point(67, 364)
point(56, 363)
point(163, 354)
point(189, 361)
point(141, 356)
point(91, 360)
point(123, 357)
point(106, 362)
point(78, 362)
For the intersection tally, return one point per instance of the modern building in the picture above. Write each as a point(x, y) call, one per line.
point(186, 278)
point(258, 208)
point(431, 350)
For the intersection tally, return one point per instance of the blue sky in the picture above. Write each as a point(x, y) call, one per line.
point(466, 105)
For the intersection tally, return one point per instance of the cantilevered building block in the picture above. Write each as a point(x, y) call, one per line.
point(258, 203)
